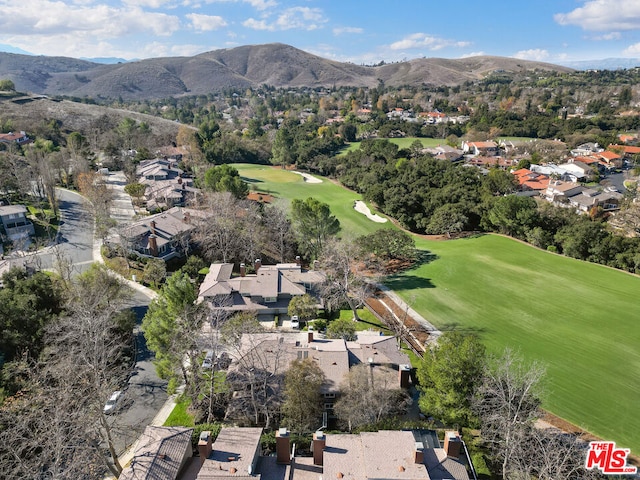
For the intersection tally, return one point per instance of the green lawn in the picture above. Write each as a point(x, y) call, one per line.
point(401, 142)
point(179, 417)
point(288, 185)
point(581, 320)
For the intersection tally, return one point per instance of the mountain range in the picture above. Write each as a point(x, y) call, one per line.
point(275, 64)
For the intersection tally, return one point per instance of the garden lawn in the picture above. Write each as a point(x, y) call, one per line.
point(288, 185)
point(580, 320)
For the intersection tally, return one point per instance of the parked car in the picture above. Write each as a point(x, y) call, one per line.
point(295, 322)
point(112, 403)
point(208, 360)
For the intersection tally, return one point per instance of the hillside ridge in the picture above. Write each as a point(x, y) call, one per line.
point(274, 64)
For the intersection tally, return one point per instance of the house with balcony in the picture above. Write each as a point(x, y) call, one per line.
point(15, 223)
point(267, 291)
point(167, 185)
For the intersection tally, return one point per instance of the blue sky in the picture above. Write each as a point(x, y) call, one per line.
point(357, 31)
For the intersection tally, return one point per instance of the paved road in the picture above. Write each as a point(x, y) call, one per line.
point(75, 240)
point(145, 393)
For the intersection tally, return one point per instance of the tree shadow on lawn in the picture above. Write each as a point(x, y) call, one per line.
point(251, 180)
point(456, 327)
point(408, 282)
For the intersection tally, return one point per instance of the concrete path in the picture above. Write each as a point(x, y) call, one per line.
point(121, 209)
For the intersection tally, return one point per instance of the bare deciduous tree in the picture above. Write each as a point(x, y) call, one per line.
point(345, 280)
point(57, 427)
point(230, 230)
point(367, 396)
point(507, 403)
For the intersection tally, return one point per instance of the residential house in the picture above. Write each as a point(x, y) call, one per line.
point(15, 222)
point(164, 235)
point(161, 452)
point(531, 181)
point(612, 159)
point(586, 149)
point(487, 149)
point(267, 292)
point(492, 162)
point(167, 186)
point(335, 357)
point(20, 138)
point(577, 171)
point(628, 138)
point(558, 192)
point(608, 200)
point(445, 152)
point(628, 152)
point(388, 454)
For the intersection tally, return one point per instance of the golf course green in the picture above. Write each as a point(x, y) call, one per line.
point(580, 320)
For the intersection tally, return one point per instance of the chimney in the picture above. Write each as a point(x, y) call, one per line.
point(283, 446)
point(152, 226)
point(309, 337)
point(403, 374)
point(204, 446)
point(298, 260)
point(418, 454)
point(153, 245)
point(179, 180)
point(257, 264)
point(243, 270)
point(452, 444)
point(317, 446)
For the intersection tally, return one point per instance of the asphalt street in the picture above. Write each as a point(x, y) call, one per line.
point(145, 393)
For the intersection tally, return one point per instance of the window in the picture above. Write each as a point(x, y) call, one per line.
point(328, 406)
point(269, 299)
point(329, 395)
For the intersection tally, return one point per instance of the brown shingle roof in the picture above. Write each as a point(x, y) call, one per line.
point(159, 454)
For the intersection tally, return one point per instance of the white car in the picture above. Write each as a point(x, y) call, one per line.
point(112, 403)
point(208, 360)
point(295, 322)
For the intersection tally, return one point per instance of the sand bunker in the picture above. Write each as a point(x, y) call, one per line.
point(309, 178)
point(362, 208)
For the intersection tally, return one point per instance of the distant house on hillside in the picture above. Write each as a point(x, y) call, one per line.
point(21, 138)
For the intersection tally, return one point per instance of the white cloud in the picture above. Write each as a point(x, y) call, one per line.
point(473, 54)
point(257, 4)
point(206, 23)
point(257, 24)
point(537, 54)
point(342, 30)
point(424, 40)
point(632, 50)
point(603, 15)
point(298, 18)
point(149, 3)
point(608, 36)
point(48, 27)
point(51, 18)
